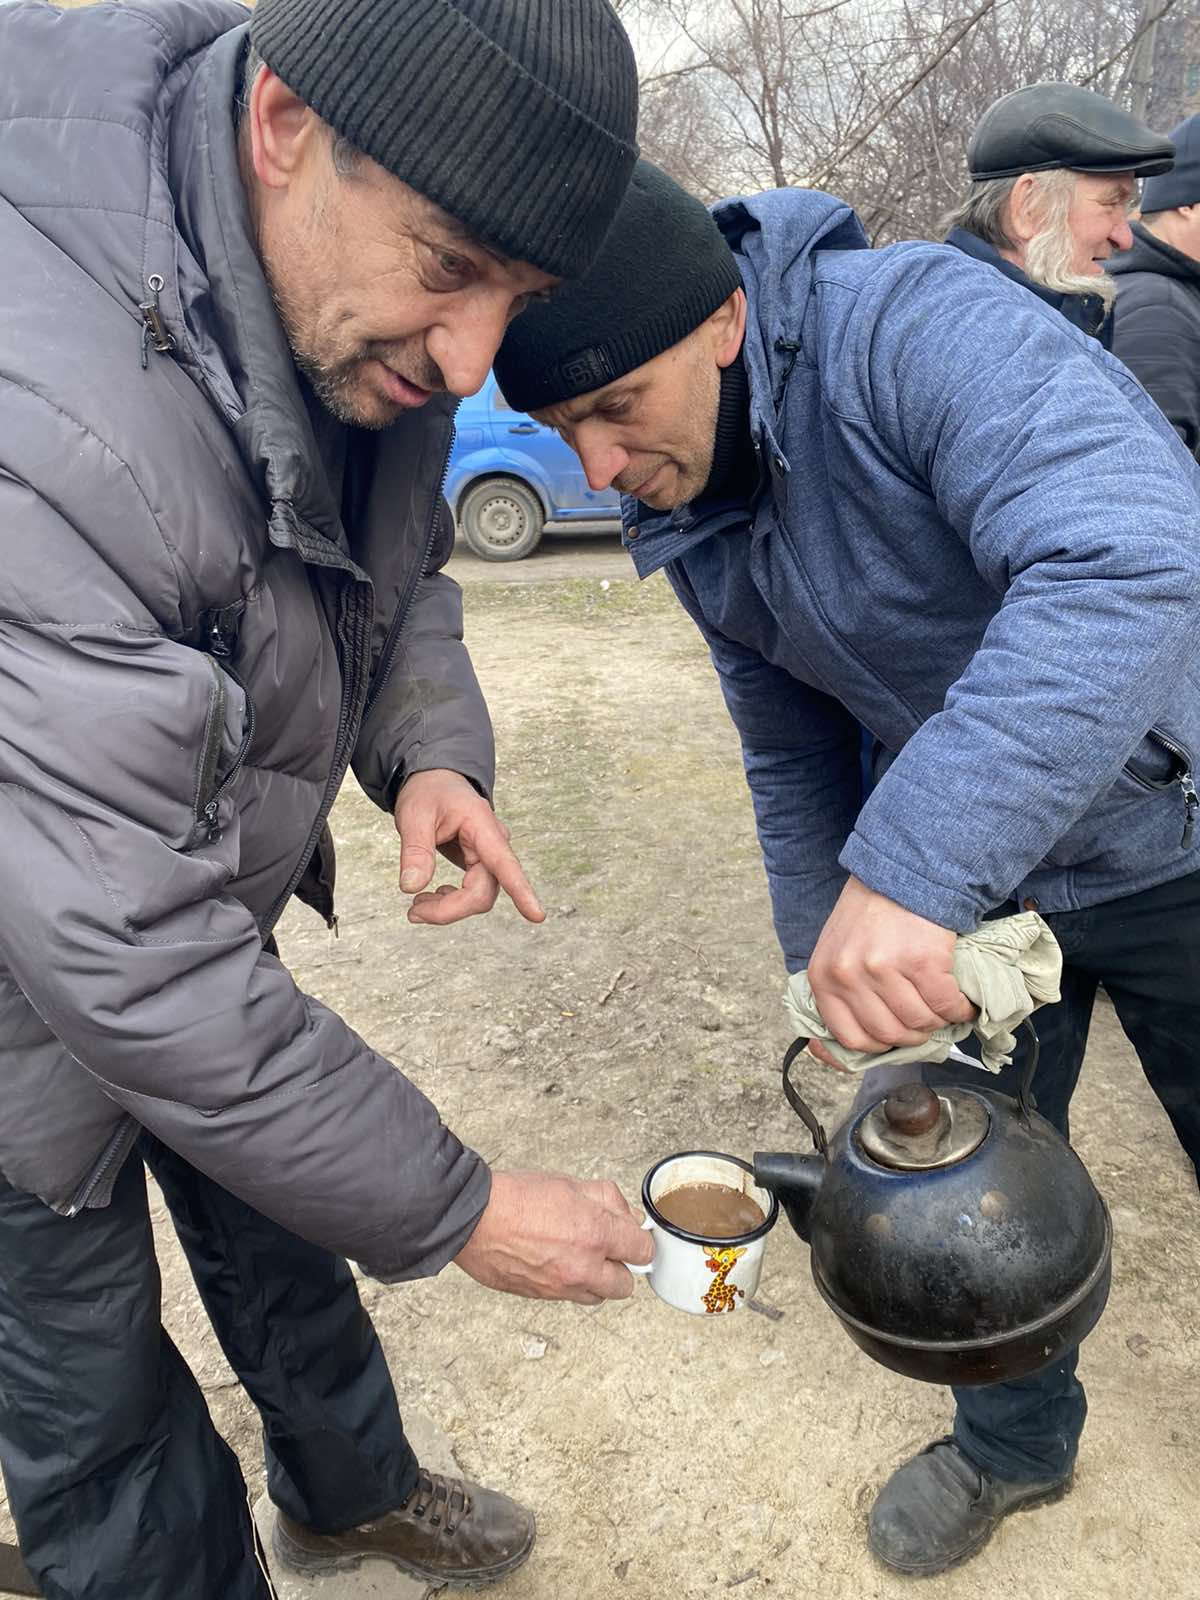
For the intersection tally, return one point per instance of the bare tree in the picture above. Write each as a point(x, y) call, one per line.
point(876, 99)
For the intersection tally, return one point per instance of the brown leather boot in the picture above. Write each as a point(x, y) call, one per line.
point(447, 1531)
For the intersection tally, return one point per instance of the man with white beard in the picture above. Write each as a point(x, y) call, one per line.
point(1053, 180)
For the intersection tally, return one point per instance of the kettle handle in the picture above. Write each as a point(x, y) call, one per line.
point(801, 1108)
point(1025, 1100)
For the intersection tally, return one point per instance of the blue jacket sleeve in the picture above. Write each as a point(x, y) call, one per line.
point(801, 752)
point(1081, 510)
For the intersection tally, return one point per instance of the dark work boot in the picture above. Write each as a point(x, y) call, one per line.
point(939, 1508)
point(447, 1531)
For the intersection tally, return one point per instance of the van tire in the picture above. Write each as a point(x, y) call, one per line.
point(501, 519)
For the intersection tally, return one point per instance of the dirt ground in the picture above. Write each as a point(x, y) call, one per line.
point(558, 557)
point(669, 1457)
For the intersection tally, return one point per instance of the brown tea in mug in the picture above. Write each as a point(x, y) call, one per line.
point(710, 1209)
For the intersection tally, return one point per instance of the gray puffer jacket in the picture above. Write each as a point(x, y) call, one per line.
point(193, 648)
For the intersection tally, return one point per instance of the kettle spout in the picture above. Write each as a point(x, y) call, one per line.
point(795, 1179)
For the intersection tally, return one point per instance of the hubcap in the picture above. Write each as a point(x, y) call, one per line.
point(502, 521)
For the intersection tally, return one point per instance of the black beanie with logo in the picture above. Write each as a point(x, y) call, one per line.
point(664, 269)
point(518, 117)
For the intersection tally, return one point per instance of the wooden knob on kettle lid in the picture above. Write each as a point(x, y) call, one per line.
point(912, 1109)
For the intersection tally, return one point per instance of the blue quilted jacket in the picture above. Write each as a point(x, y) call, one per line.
point(975, 536)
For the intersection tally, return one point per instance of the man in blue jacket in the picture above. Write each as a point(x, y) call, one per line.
point(895, 490)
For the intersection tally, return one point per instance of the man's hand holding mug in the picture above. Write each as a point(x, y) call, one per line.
point(550, 1237)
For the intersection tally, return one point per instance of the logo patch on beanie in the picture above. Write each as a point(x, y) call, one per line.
point(590, 369)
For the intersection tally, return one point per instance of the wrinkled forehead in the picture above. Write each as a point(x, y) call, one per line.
point(415, 213)
point(619, 393)
point(1110, 188)
point(432, 216)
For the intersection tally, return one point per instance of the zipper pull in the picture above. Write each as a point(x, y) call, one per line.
point(154, 329)
point(211, 821)
point(218, 640)
point(1191, 803)
point(791, 349)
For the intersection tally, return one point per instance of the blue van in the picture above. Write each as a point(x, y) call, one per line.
point(510, 480)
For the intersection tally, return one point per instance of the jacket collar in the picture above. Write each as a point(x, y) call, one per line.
point(230, 333)
point(776, 238)
point(1152, 254)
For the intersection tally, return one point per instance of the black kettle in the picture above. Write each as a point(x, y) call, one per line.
point(954, 1233)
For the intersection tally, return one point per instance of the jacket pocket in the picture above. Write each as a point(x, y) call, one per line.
point(316, 884)
point(218, 768)
point(1160, 762)
point(99, 1182)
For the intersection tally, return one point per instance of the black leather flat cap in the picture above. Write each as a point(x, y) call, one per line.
point(1061, 125)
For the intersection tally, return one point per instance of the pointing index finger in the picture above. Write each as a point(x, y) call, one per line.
point(498, 857)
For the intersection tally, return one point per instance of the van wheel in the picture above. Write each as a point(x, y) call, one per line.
point(501, 519)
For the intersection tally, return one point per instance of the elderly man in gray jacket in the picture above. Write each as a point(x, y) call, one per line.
point(239, 296)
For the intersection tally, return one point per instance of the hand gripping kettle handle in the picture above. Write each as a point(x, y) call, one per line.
point(1025, 1099)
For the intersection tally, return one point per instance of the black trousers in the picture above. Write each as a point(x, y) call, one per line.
point(120, 1486)
point(1145, 950)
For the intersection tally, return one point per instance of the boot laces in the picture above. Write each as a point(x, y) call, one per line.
point(443, 1500)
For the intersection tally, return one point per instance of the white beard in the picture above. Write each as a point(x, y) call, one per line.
point(1048, 260)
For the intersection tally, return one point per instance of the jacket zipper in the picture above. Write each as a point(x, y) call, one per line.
point(359, 659)
point(1185, 778)
point(388, 653)
point(154, 330)
point(358, 651)
point(118, 1148)
point(342, 745)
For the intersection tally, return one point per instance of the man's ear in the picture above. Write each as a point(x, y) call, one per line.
point(1022, 221)
point(282, 130)
point(729, 327)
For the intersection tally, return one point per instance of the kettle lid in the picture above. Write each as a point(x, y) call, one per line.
point(915, 1129)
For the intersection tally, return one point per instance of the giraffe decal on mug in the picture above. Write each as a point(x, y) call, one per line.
point(721, 1296)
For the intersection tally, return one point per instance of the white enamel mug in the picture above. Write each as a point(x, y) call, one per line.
point(704, 1276)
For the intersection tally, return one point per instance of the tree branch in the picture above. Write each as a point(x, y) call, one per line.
point(955, 40)
point(674, 72)
point(1127, 46)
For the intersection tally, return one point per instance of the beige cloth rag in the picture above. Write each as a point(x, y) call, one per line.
point(1007, 968)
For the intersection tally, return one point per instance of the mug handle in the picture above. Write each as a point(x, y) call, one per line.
point(640, 1272)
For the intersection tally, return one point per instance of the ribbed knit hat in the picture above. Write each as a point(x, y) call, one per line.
point(663, 270)
point(1180, 186)
point(518, 117)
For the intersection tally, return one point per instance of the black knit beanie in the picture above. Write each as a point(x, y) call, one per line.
point(663, 270)
point(518, 117)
